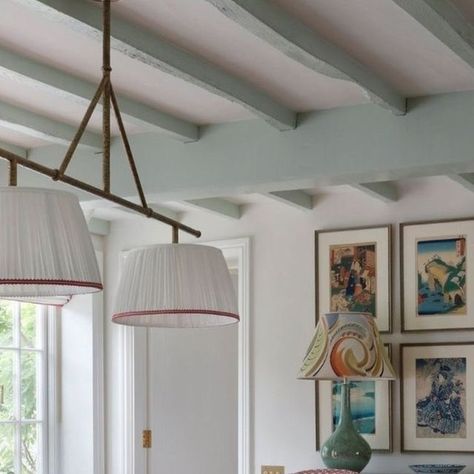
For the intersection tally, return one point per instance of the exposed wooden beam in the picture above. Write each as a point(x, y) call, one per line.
point(383, 190)
point(47, 79)
point(464, 179)
point(297, 199)
point(217, 206)
point(443, 20)
point(38, 126)
point(18, 150)
point(435, 138)
point(166, 211)
point(98, 226)
point(293, 38)
point(142, 45)
point(90, 207)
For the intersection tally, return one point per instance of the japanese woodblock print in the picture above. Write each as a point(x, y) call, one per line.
point(353, 277)
point(353, 272)
point(437, 275)
point(437, 385)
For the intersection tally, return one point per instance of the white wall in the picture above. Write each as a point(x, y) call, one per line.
point(282, 311)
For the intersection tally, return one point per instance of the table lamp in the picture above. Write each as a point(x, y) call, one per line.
point(347, 347)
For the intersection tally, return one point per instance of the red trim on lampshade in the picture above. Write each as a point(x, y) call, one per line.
point(40, 281)
point(176, 311)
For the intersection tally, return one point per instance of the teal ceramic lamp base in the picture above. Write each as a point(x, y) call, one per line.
point(346, 448)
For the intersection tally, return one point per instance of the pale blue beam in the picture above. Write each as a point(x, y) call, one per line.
point(38, 126)
point(385, 191)
point(142, 45)
point(361, 144)
point(44, 78)
point(293, 38)
point(23, 152)
point(98, 226)
point(444, 21)
point(218, 206)
point(464, 179)
point(296, 198)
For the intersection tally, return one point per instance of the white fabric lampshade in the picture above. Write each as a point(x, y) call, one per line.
point(45, 246)
point(346, 345)
point(175, 286)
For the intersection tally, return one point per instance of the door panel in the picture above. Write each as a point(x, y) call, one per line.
point(193, 403)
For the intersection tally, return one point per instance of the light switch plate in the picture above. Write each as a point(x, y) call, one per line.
point(273, 469)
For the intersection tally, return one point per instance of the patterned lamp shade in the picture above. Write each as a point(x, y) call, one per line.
point(346, 345)
point(45, 246)
point(176, 286)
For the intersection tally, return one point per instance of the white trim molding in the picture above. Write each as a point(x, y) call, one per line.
point(238, 251)
point(98, 375)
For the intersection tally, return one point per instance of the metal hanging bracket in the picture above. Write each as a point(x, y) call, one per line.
point(105, 91)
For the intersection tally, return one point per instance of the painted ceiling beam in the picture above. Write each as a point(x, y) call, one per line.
point(296, 198)
point(217, 206)
point(23, 152)
point(90, 206)
point(360, 144)
point(464, 179)
point(38, 126)
point(45, 78)
point(444, 21)
point(98, 226)
point(142, 45)
point(296, 40)
point(385, 191)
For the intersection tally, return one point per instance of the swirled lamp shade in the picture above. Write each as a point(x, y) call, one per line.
point(175, 286)
point(45, 246)
point(346, 346)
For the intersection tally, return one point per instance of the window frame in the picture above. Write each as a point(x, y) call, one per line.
point(47, 396)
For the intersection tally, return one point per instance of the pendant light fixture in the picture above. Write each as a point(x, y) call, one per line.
point(46, 250)
point(175, 285)
point(45, 246)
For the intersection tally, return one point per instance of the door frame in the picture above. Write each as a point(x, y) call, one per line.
point(133, 384)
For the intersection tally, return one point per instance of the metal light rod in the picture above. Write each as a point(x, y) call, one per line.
point(54, 174)
point(109, 101)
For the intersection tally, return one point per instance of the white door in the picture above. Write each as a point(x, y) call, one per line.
point(191, 390)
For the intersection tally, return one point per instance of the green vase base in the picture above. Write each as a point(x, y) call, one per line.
point(346, 448)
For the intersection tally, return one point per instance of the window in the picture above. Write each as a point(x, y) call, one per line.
point(23, 388)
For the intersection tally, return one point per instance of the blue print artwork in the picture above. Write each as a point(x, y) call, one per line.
point(441, 276)
point(362, 405)
point(441, 398)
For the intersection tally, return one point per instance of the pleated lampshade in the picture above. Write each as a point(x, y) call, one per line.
point(45, 246)
point(175, 286)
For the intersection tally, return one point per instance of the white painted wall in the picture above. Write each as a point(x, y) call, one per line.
point(282, 312)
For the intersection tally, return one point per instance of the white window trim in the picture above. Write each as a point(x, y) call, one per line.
point(53, 361)
point(49, 385)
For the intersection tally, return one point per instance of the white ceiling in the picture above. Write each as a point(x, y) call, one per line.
point(376, 32)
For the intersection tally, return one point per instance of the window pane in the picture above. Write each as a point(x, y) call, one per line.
point(6, 323)
point(29, 448)
point(7, 449)
point(7, 371)
point(29, 389)
point(29, 325)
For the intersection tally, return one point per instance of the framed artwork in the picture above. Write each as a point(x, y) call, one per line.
point(353, 272)
point(437, 394)
point(371, 405)
point(437, 275)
